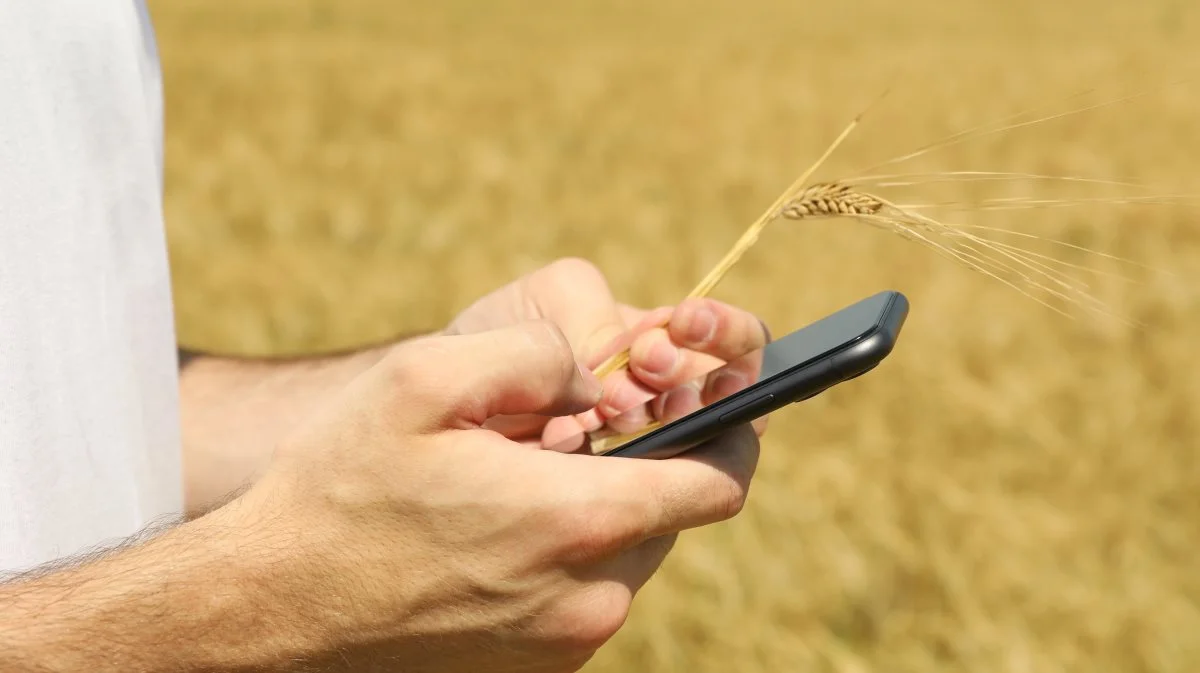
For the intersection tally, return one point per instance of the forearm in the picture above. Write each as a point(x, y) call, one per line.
point(235, 410)
point(204, 596)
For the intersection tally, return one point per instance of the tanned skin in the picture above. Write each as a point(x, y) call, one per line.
point(392, 531)
point(361, 512)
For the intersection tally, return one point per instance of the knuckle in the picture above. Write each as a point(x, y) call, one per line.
point(415, 374)
point(588, 528)
point(574, 268)
point(738, 330)
point(410, 363)
point(590, 620)
point(585, 535)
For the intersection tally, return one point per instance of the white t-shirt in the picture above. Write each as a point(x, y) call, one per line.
point(89, 429)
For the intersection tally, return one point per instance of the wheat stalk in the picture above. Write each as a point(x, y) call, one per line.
point(844, 199)
point(826, 199)
point(748, 239)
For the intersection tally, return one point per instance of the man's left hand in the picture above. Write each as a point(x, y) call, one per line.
point(669, 347)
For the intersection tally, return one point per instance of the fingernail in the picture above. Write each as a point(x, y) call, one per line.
point(624, 398)
point(699, 324)
point(591, 382)
point(631, 420)
point(662, 358)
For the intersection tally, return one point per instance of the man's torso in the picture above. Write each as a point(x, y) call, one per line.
point(89, 447)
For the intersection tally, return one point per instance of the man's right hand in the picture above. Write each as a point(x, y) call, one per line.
point(394, 532)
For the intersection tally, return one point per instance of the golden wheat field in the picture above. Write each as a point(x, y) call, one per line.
point(1012, 490)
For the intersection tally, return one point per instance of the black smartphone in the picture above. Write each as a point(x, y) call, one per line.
point(798, 366)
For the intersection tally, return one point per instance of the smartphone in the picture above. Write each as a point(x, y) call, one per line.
point(791, 369)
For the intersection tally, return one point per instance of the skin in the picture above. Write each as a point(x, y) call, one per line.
point(235, 411)
point(392, 531)
point(389, 525)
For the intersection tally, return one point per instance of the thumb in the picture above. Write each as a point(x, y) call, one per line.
point(461, 381)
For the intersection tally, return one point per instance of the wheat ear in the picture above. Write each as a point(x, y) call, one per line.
point(991, 258)
point(797, 200)
point(841, 199)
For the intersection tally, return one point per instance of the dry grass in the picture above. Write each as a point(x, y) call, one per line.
point(1011, 491)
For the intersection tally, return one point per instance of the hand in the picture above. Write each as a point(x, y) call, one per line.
point(394, 532)
point(700, 335)
point(423, 541)
point(234, 411)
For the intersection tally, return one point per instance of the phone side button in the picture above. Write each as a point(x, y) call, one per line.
point(747, 410)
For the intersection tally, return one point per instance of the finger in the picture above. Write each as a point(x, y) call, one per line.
point(681, 401)
point(587, 312)
point(622, 393)
point(462, 381)
point(760, 425)
point(629, 422)
point(622, 389)
point(744, 345)
point(648, 498)
point(682, 372)
point(731, 379)
point(716, 328)
point(677, 402)
point(660, 364)
point(668, 407)
point(566, 434)
point(649, 320)
point(701, 336)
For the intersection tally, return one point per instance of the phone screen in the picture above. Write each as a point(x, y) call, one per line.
point(715, 381)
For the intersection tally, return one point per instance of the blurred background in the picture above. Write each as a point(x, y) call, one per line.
point(1013, 490)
